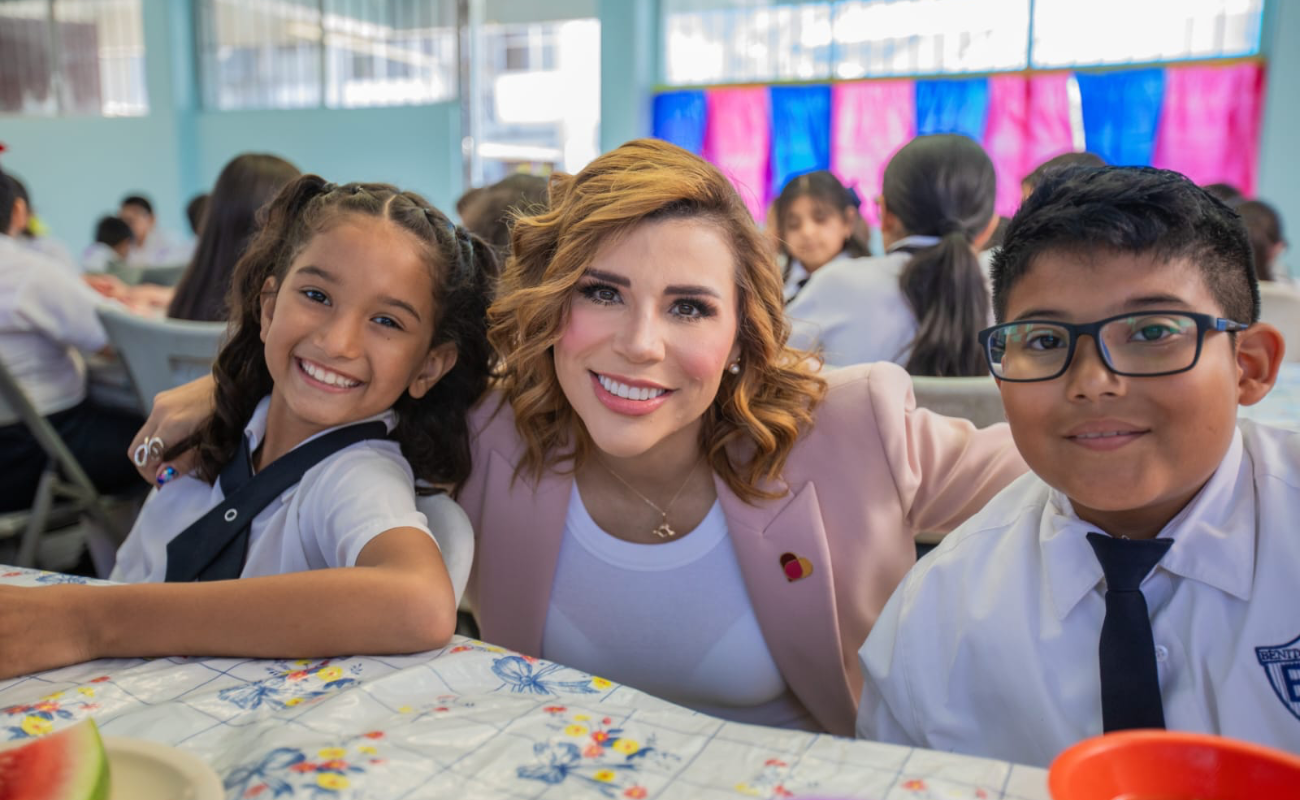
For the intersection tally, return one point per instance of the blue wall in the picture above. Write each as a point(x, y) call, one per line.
point(1279, 161)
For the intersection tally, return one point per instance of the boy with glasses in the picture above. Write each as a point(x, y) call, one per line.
point(1147, 574)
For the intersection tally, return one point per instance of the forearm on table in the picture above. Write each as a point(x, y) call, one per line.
point(331, 612)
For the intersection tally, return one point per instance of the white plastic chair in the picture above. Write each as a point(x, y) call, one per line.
point(976, 399)
point(161, 353)
point(455, 535)
point(1280, 307)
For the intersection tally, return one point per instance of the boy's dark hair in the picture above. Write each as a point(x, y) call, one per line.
point(823, 187)
point(1135, 210)
point(194, 211)
point(1063, 161)
point(139, 201)
point(112, 231)
point(8, 193)
point(1264, 227)
point(433, 431)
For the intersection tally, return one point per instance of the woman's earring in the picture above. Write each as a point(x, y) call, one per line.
point(734, 369)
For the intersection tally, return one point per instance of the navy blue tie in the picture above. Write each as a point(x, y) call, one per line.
point(215, 547)
point(1130, 686)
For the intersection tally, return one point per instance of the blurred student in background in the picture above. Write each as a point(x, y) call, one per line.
point(246, 184)
point(817, 222)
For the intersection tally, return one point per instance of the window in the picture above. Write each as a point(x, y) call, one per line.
point(336, 53)
point(72, 57)
point(1068, 33)
point(752, 41)
point(519, 125)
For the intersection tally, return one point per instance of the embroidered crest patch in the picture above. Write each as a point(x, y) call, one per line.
point(1282, 665)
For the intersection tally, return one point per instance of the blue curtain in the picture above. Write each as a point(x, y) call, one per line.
point(952, 106)
point(680, 117)
point(1120, 113)
point(801, 132)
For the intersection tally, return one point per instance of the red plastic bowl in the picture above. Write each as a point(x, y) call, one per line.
point(1167, 765)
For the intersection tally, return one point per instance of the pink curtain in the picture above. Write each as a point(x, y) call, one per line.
point(736, 141)
point(870, 121)
point(1049, 131)
point(1210, 124)
point(1004, 137)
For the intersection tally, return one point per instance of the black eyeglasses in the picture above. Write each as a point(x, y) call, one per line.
point(1147, 344)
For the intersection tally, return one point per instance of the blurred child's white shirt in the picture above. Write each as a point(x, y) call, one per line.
point(990, 645)
point(46, 316)
point(161, 249)
point(324, 521)
point(855, 310)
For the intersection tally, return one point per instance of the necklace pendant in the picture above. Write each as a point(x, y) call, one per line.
point(664, 531)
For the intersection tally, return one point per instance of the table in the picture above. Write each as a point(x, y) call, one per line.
point(469, 720)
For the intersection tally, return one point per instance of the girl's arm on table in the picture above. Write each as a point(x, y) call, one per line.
point(397, 599)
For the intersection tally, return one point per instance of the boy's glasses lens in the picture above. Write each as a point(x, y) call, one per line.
point(1141, 344)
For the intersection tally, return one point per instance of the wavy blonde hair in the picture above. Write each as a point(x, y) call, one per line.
point(757, 416)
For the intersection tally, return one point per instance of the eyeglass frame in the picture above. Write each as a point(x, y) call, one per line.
point(1205, 323)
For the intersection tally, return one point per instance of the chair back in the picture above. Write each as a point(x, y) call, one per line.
point(161, 354)
point(1280, 307)
point(976, 399)
point(455, 535)
point(13, 400)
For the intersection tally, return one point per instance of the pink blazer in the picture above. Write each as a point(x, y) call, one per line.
point(871, 472)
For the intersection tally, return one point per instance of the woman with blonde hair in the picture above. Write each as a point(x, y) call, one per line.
point(663, 492)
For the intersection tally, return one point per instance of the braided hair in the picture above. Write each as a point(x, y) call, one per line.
point(433, 431)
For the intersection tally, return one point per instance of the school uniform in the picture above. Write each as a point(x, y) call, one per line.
point(324, 520)
point(162, 248)
point(854, 309)
point(990, 646)
point(47, 318)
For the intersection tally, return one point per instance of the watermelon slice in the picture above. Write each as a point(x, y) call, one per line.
point(68, 765)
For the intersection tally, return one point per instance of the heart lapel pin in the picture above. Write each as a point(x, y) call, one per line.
point(795, 567)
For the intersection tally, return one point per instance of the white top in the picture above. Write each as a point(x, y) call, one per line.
point(323, 521)
point(161, 249)
point(671, 619)
point(854, 309)
point(990, 645)
point(46, 316)
point(51, 248)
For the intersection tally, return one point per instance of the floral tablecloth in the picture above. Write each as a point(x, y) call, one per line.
point(468, 721)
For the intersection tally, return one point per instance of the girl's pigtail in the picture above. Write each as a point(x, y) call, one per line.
point(434, 430)
point(945, 286)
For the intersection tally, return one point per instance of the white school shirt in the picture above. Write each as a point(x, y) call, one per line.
point(990, 645)
point(162, 248)
point(323, 521)
point(671, 619)
point(46, 316)
point(855, 311)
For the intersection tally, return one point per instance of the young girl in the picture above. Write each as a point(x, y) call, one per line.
point(358, 318)
point(817, 222)
point(923, 303)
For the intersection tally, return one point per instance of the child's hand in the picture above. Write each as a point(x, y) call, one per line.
point(176, 414)
point(108, 285)
point(40, 629)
